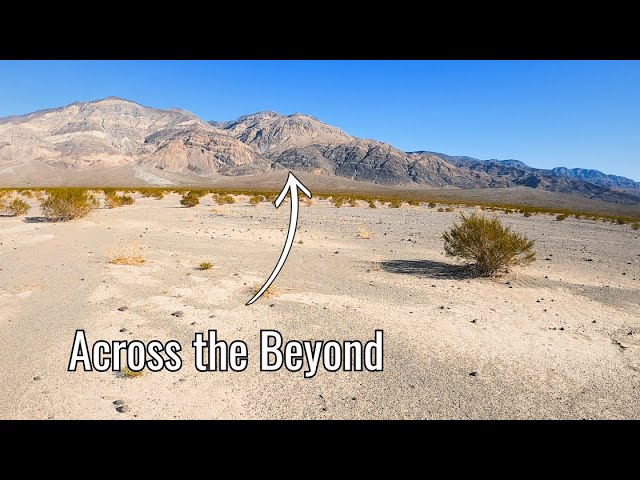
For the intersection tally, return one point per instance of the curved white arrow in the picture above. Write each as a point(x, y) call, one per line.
point(292, 185)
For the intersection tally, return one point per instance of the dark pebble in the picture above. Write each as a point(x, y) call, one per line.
point(35, 379)
point(118, 403)
point(272, 305)
point(178, 314)
point(473, 321)
point(122, 409)
point(123, 309)
point(473, 374)
point(122, 330)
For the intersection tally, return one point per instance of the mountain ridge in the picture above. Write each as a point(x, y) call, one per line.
point(115, 132)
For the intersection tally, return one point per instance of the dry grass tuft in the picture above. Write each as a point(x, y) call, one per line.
point(129, 253)
point(271, 292)
point(205, 266)
point(126, 372)
point(364, 233)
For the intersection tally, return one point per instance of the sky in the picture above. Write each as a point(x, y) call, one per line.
point(545, 113)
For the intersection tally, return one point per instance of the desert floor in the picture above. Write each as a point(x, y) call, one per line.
point(558, 339)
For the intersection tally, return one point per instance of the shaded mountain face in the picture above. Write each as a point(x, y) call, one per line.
point(156, 144)
point(115, 132)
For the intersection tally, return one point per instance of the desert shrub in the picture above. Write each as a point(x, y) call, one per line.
point(440, 209)
point(395, 203)
point(255, 199)
point(337, 201)
point(17, 207)
point(487, 245)
point(26, 193)
point(189, 200)
point(66, 204)
point(578, 216)
point(205, 266)
point(431, 205)
point(620, 221)
point(526, 214)
point(224, 199)
point(113, 200)
point(636, 226)
point(353, 202)
point(414, 203)
point(372, 203)
point(561, 217)
point(448, 209)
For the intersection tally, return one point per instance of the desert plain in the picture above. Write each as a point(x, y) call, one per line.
point(559, 339)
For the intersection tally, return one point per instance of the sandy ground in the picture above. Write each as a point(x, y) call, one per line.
point(559, 339)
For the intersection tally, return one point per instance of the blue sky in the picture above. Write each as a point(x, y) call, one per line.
point(553, 113)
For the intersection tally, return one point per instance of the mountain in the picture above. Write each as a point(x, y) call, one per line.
point(115, 132)
point(116, 139)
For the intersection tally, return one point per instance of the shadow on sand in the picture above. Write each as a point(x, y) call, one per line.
point(36, 219)
point(426, 269)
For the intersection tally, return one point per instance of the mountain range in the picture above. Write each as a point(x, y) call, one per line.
point(163, 146)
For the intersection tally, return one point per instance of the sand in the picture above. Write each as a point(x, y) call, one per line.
point(558, 339)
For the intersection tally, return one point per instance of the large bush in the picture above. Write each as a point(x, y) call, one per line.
point(190, 200)
point(67, 204)
point(487, 245)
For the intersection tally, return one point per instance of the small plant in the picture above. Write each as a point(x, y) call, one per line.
point(17, 207)
point(126, 254)
point(440, 209)
point(431, 205)
point(414, 203)
point(190, 200)
point(448, 209)
point(255, 200)
point(270, 292)
point(68, 204)
point(112, 200)
point(372, 203)
point(337, 201)
point(205, 266)
point(224, 199)
point(364, 233)
point(126, 372)
point(487, 245)
point(577, 216)
point(560, 218)
point(636, 226)
point(395, 203)
point(620, 221)
point(353, 202)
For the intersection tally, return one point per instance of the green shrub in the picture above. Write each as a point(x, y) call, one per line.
point(395, 203)
point(17, 207)
point(353, 202)
point(224, 199)
point(205, 265)
point(67, 204)
point(561, 217)
point(620, 221)
point(255, 199)
point(189, 200)
point(487, 245)
point(372, 204)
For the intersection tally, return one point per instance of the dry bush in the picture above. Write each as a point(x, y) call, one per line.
point(224, 199)
point(487, 245)
point(26, 193)
point(17, 207)
point(126, 253)
point(255, 200)
point(68, 204)
point(414, 203)
point(432, 205)
point(364, 233)
point(205, 266)
point(270, 292)
point(353, 202)
point(621, 221)
point(440, 209)
point(636, 226)
point(372, 203)
point(560, 218)
point(113, 200)
point(190, 200)
point(395, 203)
point(448, 209)
point(126, 372)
